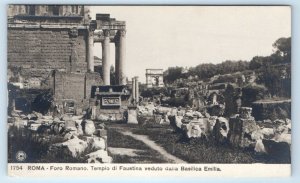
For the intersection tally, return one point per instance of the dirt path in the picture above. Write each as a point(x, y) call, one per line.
point(153, 146)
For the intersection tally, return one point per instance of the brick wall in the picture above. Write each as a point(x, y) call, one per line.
point(92, 79)
point(75, 86)
point(69, 86)
point(38, 51)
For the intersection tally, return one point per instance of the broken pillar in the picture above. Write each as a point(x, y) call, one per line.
point(221, 129)
point(136, 89)
point(88, 127)
point(243, 129)
point(94, 112)
point(132, 115)
point(245, 113)
point(133, 90)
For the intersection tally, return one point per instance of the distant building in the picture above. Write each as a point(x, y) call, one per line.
point(154, 78)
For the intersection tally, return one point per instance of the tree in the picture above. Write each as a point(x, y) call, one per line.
point(256, 62)
point(172, 73)
point(253, 92)
point(282, 47)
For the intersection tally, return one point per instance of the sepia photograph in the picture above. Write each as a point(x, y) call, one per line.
point(149, 84)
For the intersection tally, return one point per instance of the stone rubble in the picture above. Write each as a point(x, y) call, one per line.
point(99, 156)
point(79, 135)
point(132, 116)
point(244, 131)
point(98, 143)
point(75, 145)
point(221, 129)
point(241, 130)
point(88, 127)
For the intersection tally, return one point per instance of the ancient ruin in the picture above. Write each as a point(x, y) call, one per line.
point(51, 56)
point(51, 47)
point(60, 99)
point(154, 78)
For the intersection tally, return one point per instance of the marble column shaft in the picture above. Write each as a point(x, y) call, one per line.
point(133, 89)
point(120, 57)
point(117, 63)
point(136, 89)
point(106, 58)
point(90, 51)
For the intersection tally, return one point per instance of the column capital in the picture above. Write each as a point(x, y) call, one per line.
point(106, 32)
point(91, 33)
point(121, 33)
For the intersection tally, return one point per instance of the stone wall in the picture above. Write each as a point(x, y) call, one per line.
point(90, 80)
point(38, 51)
point(45, 10)
point(272, 109)
point(69, 85)
point(74, 86)
point(110, 113)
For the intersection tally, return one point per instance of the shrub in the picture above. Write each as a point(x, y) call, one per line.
point(253, 92)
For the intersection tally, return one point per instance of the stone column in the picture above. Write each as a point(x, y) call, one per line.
point(94, 112)
point(120, 57)
point(132, 115)
point(117, 61)
point(136, 89)
point(133, 89)
point(13, 104)
point(105, 58)
point(90, 51)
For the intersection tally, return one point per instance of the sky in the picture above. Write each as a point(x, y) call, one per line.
point(168, 36)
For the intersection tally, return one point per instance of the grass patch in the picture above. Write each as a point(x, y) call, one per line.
point(117, 139)
point(37, 148)
point(198, 150)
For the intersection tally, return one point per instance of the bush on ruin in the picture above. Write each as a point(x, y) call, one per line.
point(253, 92)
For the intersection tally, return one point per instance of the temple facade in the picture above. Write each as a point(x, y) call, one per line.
point(52, 47)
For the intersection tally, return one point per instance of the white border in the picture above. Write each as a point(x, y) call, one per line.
point(295, 91)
